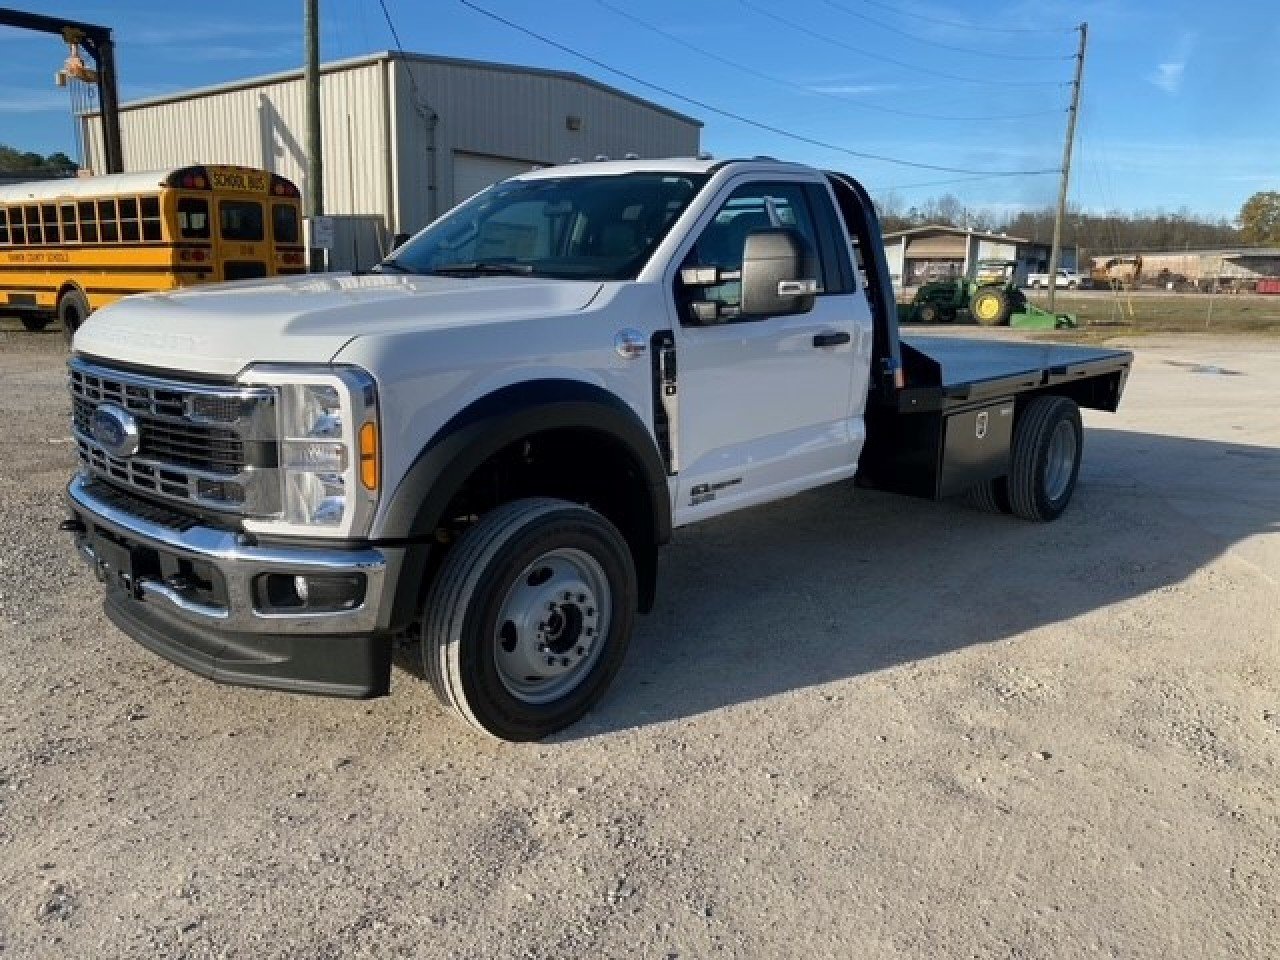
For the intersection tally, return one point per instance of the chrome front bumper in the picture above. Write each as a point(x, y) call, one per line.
point(221, 630)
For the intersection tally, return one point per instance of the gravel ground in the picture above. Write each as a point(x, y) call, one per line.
point(856, 726)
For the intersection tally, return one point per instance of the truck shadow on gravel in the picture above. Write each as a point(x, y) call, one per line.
point(842, 582)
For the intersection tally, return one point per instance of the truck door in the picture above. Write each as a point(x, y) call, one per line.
point(767, 406)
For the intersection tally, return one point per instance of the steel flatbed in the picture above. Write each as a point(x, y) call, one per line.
point(945, 373)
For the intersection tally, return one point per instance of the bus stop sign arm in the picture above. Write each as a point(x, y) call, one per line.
point(98, 44)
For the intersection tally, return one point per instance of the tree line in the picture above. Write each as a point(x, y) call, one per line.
point(1115, 231)
point(13, 160)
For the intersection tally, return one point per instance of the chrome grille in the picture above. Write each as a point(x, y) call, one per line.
point(213, 446)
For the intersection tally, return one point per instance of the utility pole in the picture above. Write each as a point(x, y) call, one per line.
point(1055, 257)
point(311, 80)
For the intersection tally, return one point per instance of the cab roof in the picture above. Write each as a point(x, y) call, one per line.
point(675, 165)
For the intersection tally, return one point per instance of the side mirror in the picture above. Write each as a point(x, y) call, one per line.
point(779, 273)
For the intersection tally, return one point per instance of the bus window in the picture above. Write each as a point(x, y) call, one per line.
point(151, 231)
point(4, 225)
point(284, 223)
point(193, 218)
point(110, 229)
point(70, 229)
point(240, 220)
point(129, 232)
point(49, 213)
point(88, 222)
point(32, 215)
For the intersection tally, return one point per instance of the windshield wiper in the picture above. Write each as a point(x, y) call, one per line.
point(478, 269)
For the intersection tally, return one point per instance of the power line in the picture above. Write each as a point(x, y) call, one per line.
point(391, 26)
point(871, 55)
point(792, 85)
point(957, 25)
point(943, 46)
point(731, 115)
point(934, 183)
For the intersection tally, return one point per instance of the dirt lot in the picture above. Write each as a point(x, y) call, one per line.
point(857, 726)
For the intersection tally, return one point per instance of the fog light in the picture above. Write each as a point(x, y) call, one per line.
point(319, 593)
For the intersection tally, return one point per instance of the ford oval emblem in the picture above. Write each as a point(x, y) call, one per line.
point(116, 430)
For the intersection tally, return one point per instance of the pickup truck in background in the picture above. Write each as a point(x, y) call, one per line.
point(479, 449)
point(1067, 279)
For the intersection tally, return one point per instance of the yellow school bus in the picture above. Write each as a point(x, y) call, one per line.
point(68, 247)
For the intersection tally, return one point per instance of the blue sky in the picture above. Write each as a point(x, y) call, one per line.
point(1178, 97)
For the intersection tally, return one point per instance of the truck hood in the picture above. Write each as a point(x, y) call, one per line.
point(219, 330)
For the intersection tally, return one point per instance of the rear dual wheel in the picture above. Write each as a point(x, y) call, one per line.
point(528, 619)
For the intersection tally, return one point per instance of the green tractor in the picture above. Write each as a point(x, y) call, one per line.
point(991, 296)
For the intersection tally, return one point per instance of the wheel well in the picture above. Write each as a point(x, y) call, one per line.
point(578, 464)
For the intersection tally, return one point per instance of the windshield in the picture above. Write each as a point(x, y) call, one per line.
point(579, 228)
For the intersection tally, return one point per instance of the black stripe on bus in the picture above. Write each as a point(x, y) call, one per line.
point(108, 245)
point(71, 269)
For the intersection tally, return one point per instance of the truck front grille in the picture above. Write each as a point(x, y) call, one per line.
point(211, 446)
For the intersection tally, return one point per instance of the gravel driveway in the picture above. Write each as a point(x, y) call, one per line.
point(857, 726)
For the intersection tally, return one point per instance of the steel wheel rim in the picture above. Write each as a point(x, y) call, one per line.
point(552, 625)
point(1061, 460)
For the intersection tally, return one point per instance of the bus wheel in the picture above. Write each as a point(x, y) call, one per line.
point(73, 309)
point(36, 321)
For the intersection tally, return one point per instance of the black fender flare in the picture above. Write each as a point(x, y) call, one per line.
point(495, 421)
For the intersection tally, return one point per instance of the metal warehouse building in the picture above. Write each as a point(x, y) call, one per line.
point(923, 253)
point(406, 136)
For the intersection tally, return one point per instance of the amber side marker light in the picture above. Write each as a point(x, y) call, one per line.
point(369, 456)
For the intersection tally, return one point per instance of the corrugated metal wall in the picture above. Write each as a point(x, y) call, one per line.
point(482, 110)
point(264, 126)
point(513, 115)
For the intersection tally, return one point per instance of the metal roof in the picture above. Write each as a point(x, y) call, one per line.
point(956, 231)
point(336, 66)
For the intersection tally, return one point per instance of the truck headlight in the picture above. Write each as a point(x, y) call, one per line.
point(328, 450)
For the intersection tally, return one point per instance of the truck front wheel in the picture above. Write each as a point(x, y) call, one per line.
point(1045, 461)
point(528, 619)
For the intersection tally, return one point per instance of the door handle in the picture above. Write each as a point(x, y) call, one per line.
point(833, 339)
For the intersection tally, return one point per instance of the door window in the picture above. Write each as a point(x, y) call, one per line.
point(753, 206)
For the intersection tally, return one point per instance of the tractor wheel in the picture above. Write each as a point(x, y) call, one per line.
point(990, 307)
point(929, 313)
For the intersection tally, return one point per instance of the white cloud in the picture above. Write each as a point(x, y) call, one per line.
point(854, 89)
point(1168, 76)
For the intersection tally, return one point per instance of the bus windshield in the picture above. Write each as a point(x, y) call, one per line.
point(581, 228)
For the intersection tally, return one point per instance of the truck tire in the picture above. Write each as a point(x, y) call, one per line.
point(528, 619)
point(989, 306)
point(73, 310)
point(35, 322)
point(1045, 462)
point(991, 496)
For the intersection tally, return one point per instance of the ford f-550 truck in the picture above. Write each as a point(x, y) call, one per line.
point(481, 446)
